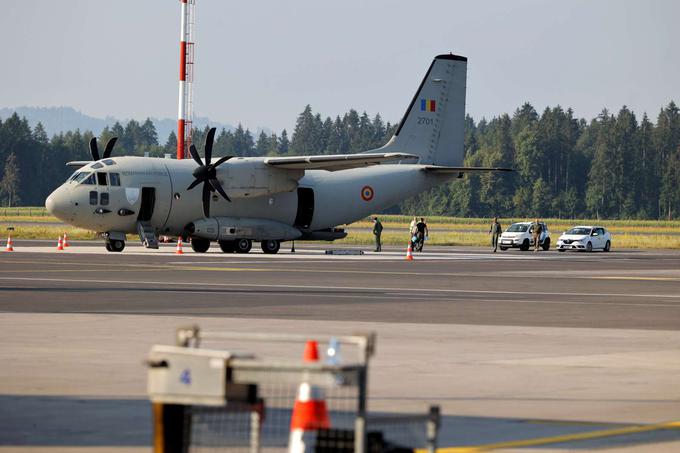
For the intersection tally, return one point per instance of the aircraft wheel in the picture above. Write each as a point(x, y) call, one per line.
point(243, 245)
point(227, 246)
point(115, 246)
point(200, 245)
point(271, 246)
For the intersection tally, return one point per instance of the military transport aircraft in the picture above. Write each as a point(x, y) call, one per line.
point(238, 200)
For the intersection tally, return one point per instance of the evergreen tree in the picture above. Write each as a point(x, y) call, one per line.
point(9, 186)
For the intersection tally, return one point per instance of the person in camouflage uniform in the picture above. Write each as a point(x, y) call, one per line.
point(495, 232)
point(377, 231)
point(536, 230)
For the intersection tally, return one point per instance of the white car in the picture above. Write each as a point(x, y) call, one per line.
point(587, 238)
point(518, 235)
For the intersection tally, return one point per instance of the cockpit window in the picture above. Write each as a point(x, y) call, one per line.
point(101, 178)
point(109, 162)
point(97, 165)
point(89, 180)
point(77, 174)
point(114, 179)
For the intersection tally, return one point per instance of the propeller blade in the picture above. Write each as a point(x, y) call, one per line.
point(94, 150)
point(109, 147)
point(221, 161)
point(218, 187)
point(194, 154)
point(206, 200)
point(194, 184)
point(209, 144)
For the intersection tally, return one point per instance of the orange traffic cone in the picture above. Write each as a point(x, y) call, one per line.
point(409, 253)
point(179, 247)
point(9, 247)
point(65, 241)
point(60, 244)
point(310, 412)
point(311, 353)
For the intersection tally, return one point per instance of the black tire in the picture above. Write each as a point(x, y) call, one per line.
point(589, 247)
point(228, 246)
point(607, 246)
point(243, 245)
point(115, 246)
point(546, 244)
point(561, 250)
point(271, 246)
point(200, 245)
point(503, 248)
point(525, 245)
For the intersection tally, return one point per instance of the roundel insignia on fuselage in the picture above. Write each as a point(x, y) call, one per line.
point(367, 193)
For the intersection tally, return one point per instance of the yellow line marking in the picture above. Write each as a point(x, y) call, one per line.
point(560, 439)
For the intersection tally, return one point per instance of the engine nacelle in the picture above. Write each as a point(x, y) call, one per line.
point(247, 178)
point(230, 228)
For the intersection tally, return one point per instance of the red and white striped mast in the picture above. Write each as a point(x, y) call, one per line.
point(186, 75)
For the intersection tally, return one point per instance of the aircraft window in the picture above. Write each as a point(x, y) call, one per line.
point(101, 179)
point(79, 176)
point(93, 197)
point(90, 180)
point(97, 165)
point(104, 198)
point(114, 179)
point(109, 162)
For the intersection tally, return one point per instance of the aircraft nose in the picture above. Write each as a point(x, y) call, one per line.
point(58, 204)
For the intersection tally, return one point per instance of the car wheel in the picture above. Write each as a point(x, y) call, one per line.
point(271, 246)
point(525, 245)
point(589, 247)
point(561, 250)
point(200, 245)
point(503, 248)
point(243, 245)
point(607, 246)
point(227, 246)
point(546, 244)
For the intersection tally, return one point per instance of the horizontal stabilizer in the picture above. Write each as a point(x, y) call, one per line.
point(336, 162)
point(78, 163)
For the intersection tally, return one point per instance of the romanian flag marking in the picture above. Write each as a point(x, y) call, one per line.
point(428, 105)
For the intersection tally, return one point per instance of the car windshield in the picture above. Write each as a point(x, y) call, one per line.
point(518, 228)
point(579, 231)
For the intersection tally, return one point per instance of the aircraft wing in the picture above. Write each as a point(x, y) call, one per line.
point(336, 162)
point(78, 163)
point(439, 169)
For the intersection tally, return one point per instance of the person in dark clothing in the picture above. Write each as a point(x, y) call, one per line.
point(377, 231)
point(421, 233)
point(495, 232)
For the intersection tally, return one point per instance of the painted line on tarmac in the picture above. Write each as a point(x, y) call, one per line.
point(634, 278)
point(343, 288)
point(600, 434)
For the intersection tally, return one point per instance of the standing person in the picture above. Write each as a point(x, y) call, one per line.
point(495, 232)
point(421, 233)
point(536, 230)
point(377, 231)
point(412, 226)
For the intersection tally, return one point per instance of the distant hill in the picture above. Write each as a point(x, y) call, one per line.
point(63, 119)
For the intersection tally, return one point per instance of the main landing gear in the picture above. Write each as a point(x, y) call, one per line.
point(270, 246)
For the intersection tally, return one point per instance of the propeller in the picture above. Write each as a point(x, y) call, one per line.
point(207, 173)
point(94, 150)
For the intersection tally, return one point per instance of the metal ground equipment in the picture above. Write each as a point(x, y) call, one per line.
point(211, 400)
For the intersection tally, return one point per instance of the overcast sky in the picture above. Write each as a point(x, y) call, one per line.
point(260, 62)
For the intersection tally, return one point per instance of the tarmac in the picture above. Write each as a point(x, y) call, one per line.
point(558, 351)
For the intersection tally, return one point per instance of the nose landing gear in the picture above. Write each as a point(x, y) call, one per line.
point(115, 242)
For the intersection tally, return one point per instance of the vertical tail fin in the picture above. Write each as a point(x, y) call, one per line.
point(433, 126)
